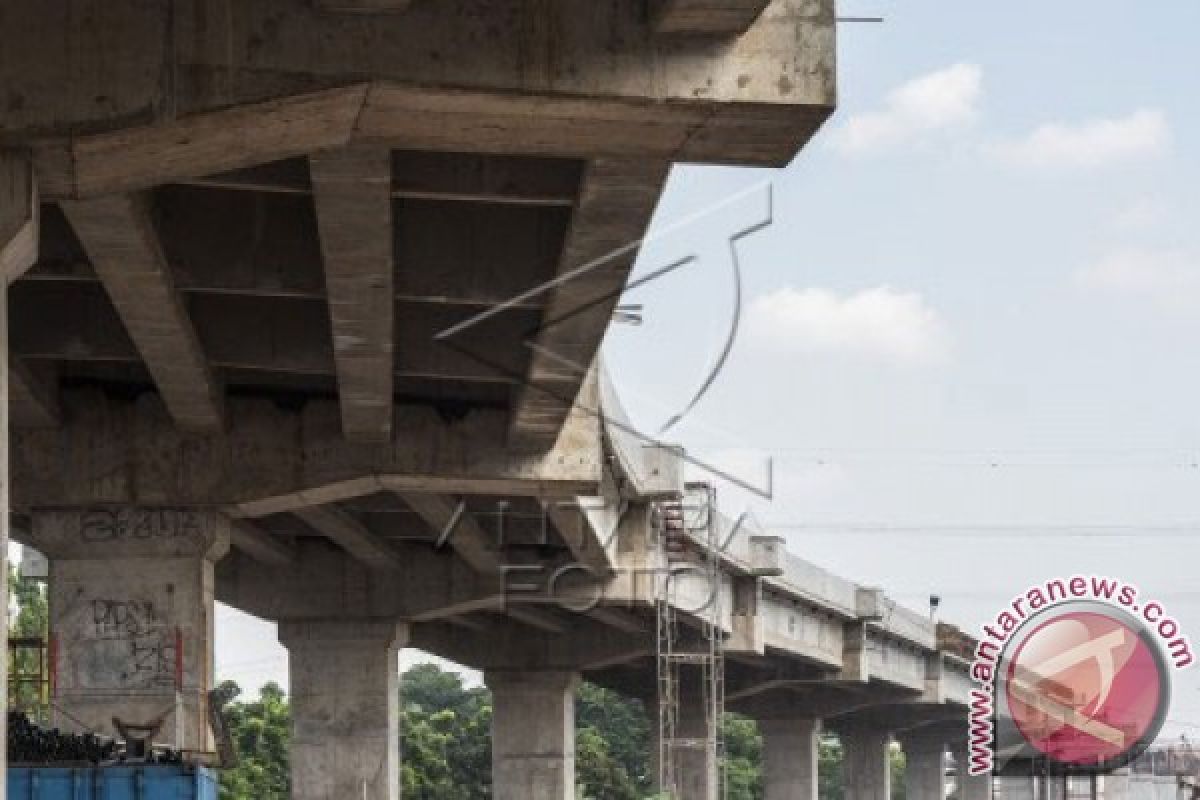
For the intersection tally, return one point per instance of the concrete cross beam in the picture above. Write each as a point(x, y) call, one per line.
point(362, 6)
point(537, 618)
point(260, 544)
point(616, 200)
point(576, 78)
point(274, 459)
point(616, 618)
point(119, 235)
point(32, 395)
point(352, 191)
point(352, 535)
point(712, 17)
point(462, 531)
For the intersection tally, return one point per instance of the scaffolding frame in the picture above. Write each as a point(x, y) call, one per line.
point(688, 535)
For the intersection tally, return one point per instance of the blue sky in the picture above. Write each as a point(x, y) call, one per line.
point(978, 306)
point(968, 340)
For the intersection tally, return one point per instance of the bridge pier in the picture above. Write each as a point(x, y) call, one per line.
point(345, 708)
point(970, 787)
point(790, 758)
point(866, 769)
point(925, 765)
point(131, 617)
point(698, 774)
point(533, 734)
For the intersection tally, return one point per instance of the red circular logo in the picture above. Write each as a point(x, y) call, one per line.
point(1086, 688)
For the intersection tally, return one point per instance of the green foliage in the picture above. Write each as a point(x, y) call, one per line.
point(896, 763)
point(829, 769)
point(446, 737)
point(447, 746)
point(261, 731)
point(612, 745)
point(31, 621)
point(743, 757)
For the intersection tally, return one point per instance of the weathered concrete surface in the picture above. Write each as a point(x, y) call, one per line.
point(581, 77)
point(275, 459)
point(533, 735)
point(970, 787)
point(697, 772)
point(707, 16)
point(790, 758)
point(924, 765)
point(352, 192)
point(131, 617)
point(866, 773)
point(616, 200)
point(343, 677)
point(120, 238)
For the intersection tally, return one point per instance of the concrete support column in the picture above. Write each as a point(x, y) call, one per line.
point(696, 767)
point(345, 699)
point(533, 734)
point(18, 251)
point(790, 758)
point(131, 618)
point(924, 766)
point(866, 769)
point(970, 787)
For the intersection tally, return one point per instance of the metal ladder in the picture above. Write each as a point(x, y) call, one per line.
point(688, 534)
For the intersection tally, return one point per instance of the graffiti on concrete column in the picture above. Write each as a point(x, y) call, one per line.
point(112, 525)
point(130, 644)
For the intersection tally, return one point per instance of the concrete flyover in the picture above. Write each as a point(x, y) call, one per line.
point(304, 300)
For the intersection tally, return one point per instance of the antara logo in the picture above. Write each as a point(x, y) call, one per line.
point(1074, 672)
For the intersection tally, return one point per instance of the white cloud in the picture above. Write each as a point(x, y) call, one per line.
point(1092, 143)
point(943, 99)
point(1168, 278)
point(1141, 214)
point(881, 322)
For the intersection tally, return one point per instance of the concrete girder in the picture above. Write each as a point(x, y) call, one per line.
point(33, 397)
point(901, 716)
point(430, 175)
point(352, 191)
point(536, 617)
point(707, 17)
point(274, 459)
point(447, 518)
point(816, 699)
point(511, 645)
point(616, 201)
point(259, 544)
point(362, 6)
point(347, 532)
point(335, 584)
point(587, 526)
point(119, 235)
point(754, 99)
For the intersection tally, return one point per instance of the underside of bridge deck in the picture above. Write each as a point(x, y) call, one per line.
point(304, 307)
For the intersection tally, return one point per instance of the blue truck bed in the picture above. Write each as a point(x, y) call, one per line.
point(149, 782)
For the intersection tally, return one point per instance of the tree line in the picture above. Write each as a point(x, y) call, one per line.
point(446, 733)
point(446, 745)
